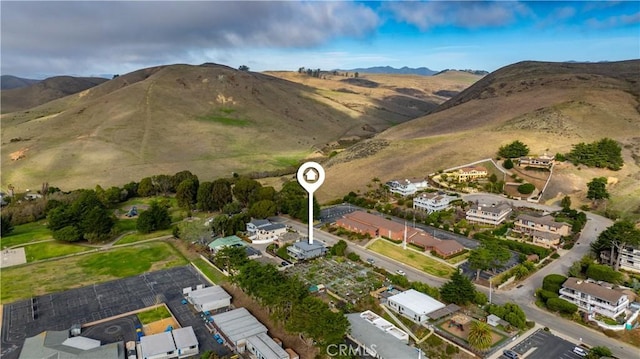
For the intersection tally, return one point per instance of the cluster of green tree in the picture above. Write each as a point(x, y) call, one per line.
point(309, 72)
point(489, 255)
point(605, 153)
point(510, 312)
point(359, 201)
point(514, 149)
point(154, 219)
point(522, 270)
point(289, 303)
point(597, 189)
point(526, 188)
point(5, 225)
point(598, 352)
point(614, 239)
point(339, 249)
point(459, 290)
point(84, 217)
point(403, 282)
point(549, 294)
point(577, 219)
point(524, 248)
point(494, 186)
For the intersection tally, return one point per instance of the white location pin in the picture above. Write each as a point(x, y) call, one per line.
point(310, 176)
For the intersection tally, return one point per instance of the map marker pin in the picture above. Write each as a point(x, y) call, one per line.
point(310, 176)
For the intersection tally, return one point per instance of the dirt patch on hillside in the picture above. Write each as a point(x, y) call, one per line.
point(240, 299)
point(362, 149)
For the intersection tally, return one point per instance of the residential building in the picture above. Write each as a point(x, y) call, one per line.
point(245, 333)
point(407, 186)
point(469, 173)
point(544, 161)
point(629, 258)
point(209, 298)
point(595, 297)
point(546, 239)
point(302, 250)
point(263, 231)
point(376, 226)
point(414, 305)
point(490, 214)
point(378, 338)
point(229, 241)
point(433, 202)
point(177, 343)
point(529, 224)
point(59, 344)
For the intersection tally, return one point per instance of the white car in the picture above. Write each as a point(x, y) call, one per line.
point(580, 351)
point(401, 272)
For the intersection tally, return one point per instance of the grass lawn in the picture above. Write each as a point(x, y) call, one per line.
point(212, 273)
point(35, 279)
point(458, 259)
point(125, 225)
point(155, 314)
point(412, 258)
point(26, 233)
point(45, 250)
point(137, 237)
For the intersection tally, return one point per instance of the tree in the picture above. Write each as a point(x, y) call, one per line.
point(186, 193)
point(598, 352)
point(597, 188)
point(480, 259)
point(553, 282)
point(526, 188)
point(513, 150)
point(162, 183)
point(561, 305)
point(507, 164)
point(243, 68)
point(263, 209)
point(604, 273)
point(180, 177)
point(458, 289)
point(221, 193)
point(244, 189)
point(566, 203)
point(618, 236)
point(204, 197)
point(490, 255)
point(605, 153)
point(96, 224)
point(480, 335)
point(231, 258)
point(146, 187)
point(339, 248)
point(219, 224)
point(6, 226)
point(67, 234)
point(154, 219)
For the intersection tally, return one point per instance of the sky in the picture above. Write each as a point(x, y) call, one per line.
point(89, 38)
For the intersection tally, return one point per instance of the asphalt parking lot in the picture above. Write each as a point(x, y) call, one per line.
point(546, 346)
point(58, 311)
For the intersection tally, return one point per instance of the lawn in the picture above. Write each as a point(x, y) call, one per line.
point(137, 237)
point(459, 258)
point(53, 249)
point(26, 233)
point(412, 258)
point(35, 279)
point(155, 314)
point(125, 225)
point(212, 273)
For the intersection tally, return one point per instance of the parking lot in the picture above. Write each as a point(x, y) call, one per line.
point(545, 345)
point(58, 311)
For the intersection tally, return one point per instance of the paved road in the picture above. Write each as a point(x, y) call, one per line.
point(523, 296)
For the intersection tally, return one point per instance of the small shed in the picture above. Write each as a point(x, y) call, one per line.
point(493, 320)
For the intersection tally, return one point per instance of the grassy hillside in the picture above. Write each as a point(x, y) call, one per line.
point(8, 82)
point(210, 119)
point(40, 92)
point(559, 109)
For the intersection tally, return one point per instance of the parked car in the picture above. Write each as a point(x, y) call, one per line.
point(401, 272)
point(370, 260)
point(510, 354)
point(580, 351)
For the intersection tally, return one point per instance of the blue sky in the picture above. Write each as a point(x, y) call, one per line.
point(40, 39)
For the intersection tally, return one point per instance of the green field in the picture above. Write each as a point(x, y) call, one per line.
point(213, 274)
point(153, 315)
point(412, 258)
point(137, 237)
point(26, 233)
point(35, 279)
point(53, 249)
point(125, 225)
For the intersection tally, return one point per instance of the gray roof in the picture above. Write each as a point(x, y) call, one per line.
point(594, 289)
point(156, 344)
point(544, 220)
point(209, 294)
point(272, 227)
point(501, 207)
point(385, 345)
point(267, 347)
point(260, 222)
point(184, 337)
point(305, 246)
point(49, 344)
point(238, 324)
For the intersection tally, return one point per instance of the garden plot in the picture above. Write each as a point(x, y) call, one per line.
point(348, 280)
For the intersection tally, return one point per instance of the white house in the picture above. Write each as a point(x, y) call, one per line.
point(490, 214)
point(407, 187)
point(595, 297)
point(209, 298)
point(263, 231)
point(414, 305)
point(178, 343)
point(432, 202)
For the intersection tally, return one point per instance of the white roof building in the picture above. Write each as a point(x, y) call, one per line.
point(373, 337)
point(209, 298)
point(178, 343)
point(262, 346)
point(433, 202)
point(414, 305)
point(237, 325)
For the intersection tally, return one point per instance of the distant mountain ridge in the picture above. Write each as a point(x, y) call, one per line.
point(424, 71)
point(8, 82)
point(473, 72)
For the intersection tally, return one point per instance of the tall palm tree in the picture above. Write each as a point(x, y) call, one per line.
point(479, 335)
